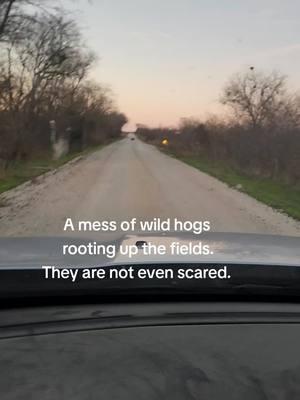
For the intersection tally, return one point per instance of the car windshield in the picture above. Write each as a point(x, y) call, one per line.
point(149, 131)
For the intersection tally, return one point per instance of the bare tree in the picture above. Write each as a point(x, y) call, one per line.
point(255, 97)
point(44, 68)
point(6, 7)
point(50, 55)
point(53, 52)
point(14, 12)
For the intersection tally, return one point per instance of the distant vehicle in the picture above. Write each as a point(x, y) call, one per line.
point(132, 138)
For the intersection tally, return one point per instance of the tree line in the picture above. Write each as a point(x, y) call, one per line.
point(45, 90)
point(260, 135)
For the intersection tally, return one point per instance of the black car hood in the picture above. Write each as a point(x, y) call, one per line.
point(231, 248)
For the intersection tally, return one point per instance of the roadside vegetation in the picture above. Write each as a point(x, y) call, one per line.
point(50, 109)
point(28, 170)
point(256, 149)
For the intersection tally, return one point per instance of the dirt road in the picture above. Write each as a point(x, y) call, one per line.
point(132, 179)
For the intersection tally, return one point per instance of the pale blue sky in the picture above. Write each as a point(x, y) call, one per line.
point(167, 59)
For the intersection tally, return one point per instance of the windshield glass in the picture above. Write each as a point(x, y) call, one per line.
point(135, 129)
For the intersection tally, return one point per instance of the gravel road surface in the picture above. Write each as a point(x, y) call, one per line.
point(132, 179)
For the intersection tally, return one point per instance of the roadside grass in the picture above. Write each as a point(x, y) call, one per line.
point(281, 196)
point(22, 171)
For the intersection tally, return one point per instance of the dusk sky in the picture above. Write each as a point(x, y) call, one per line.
point(167, 59)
